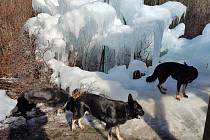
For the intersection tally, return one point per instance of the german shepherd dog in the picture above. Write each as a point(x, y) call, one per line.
point(112, 112)
point(183, 73)
point(53, 97)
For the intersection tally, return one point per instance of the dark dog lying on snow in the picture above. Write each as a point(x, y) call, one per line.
point(53, 97)
point(112, 112)
point(183, 73)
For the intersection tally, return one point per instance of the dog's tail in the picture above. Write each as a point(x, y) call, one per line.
point(153, 77)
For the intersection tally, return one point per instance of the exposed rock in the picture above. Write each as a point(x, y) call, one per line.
point(13, 123)
point(37, 121)
point(51, 96)
point(137, 74)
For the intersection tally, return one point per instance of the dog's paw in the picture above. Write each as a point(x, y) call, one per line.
point(74, 127)
point(82, 127)
point(161, 89)
point(80, 124)
point(165, 89)
point(163, 92)
point(70, 126)
point(70, 129)
point(178, 97)
point(120, 138)
point(185, 96)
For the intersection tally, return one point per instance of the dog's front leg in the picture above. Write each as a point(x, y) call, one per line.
point(184, 86)
point(74, 123)
point(80, 123)
point(161, 88)
point(118, 133)
point(110, 134)
point(178, 97)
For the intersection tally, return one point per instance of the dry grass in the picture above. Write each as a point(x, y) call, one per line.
point(13, 14)
point(17, 51)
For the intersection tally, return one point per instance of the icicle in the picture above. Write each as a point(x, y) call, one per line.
point(158, 34)
point(132, 54)
point(52, 8)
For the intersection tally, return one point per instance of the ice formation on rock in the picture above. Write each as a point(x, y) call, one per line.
point(87, 26)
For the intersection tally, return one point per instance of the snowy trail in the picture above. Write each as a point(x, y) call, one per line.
point(167, 118)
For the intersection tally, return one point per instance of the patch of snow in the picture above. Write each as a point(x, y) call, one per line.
point(164, 117)
point(206, 30)
point(6, 104)
point(194, 51)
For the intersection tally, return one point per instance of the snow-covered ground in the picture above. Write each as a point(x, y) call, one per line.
point(6, 104)
point(170, 118)
point(68, 24)
point(165, 116)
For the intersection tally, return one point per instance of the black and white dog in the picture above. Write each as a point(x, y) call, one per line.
point(112, 112)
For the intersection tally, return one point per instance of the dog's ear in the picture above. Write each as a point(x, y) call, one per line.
point(130, 98)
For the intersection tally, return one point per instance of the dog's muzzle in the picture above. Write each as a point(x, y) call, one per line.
point(141, 114)
point(138, 117)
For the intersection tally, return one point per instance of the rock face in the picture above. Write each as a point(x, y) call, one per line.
point(198, 15)
point(13, 123)
point(10, 125)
